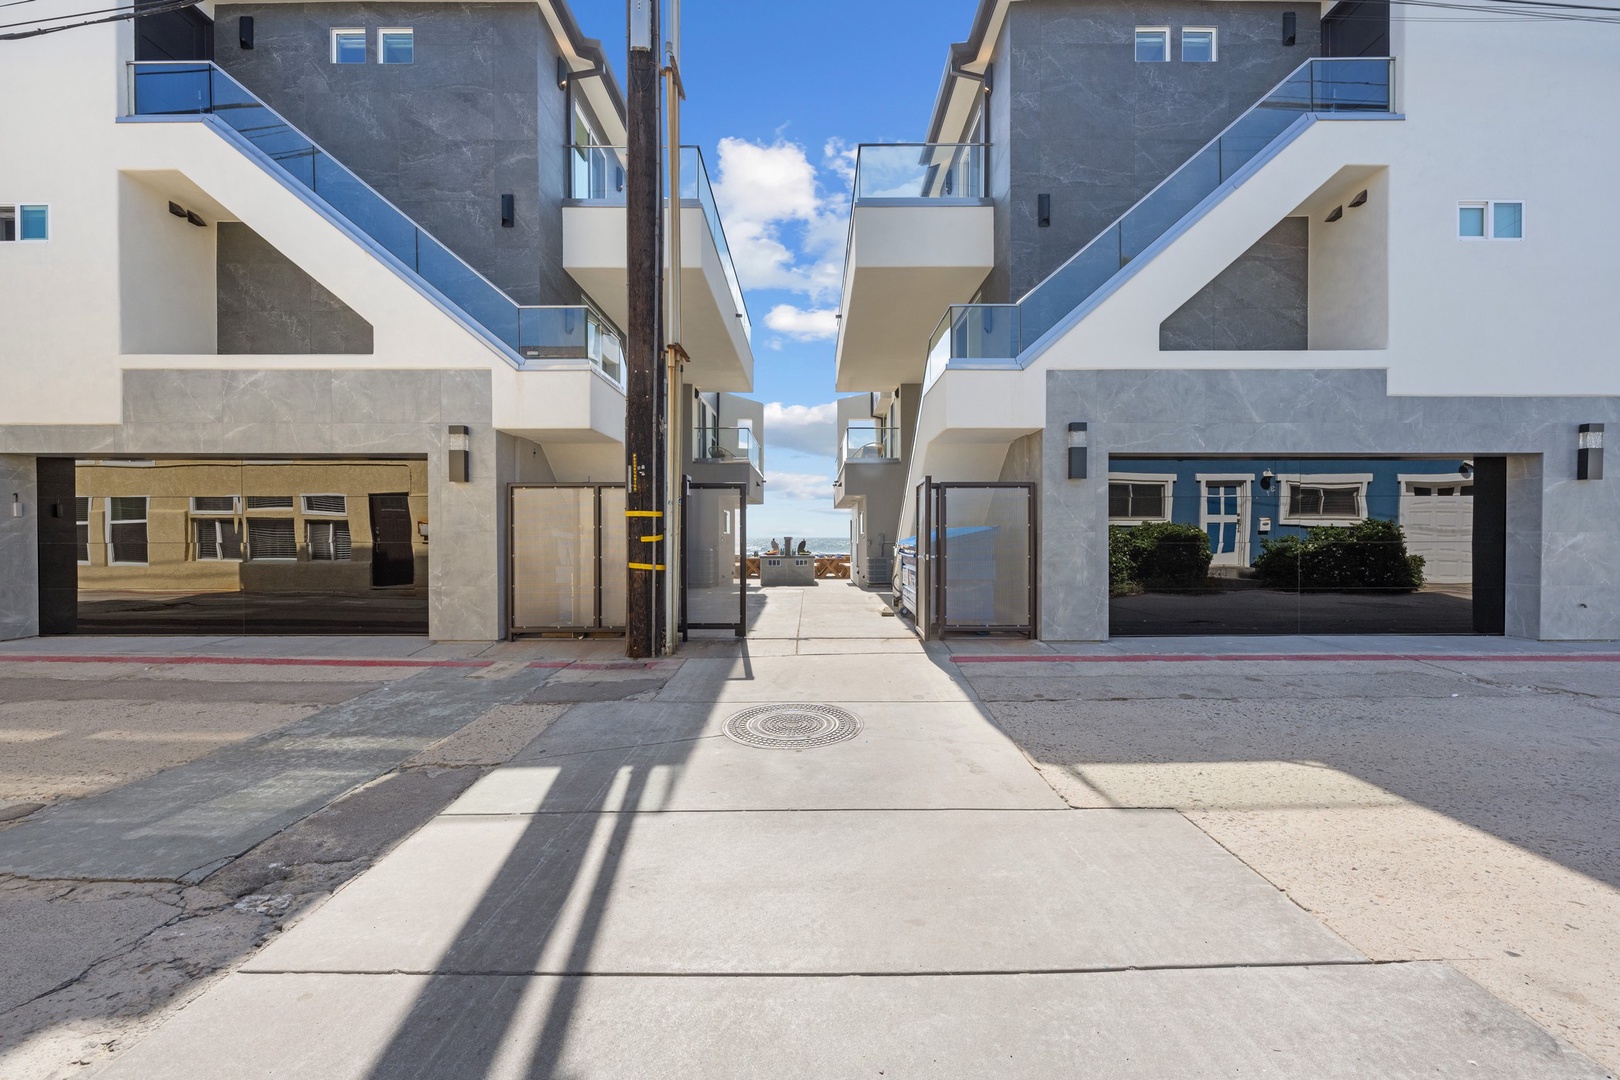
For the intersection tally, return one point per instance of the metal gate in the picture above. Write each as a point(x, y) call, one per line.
point(976, 558)
point(568, 557)
point(714, 565)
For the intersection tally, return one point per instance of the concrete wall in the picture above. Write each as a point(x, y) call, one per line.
point(165, 273)
point(267, 305)
point(1261, 301)
point(19, 548)
point(1076, 117)
point(1563, 549)
point(477, 115)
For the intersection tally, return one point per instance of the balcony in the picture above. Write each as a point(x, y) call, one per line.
point(870, 442)
point(920, 234)
point(715, 325)
point(540, 338)
point(996, 335)
point(729, 455)
point(869, 466)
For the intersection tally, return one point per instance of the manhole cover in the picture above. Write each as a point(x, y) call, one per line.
point(798, 727)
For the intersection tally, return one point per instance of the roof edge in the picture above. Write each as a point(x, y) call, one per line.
point(960, 54)
point(588, 49)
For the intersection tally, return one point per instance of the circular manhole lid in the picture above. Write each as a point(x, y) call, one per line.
point(792, 727)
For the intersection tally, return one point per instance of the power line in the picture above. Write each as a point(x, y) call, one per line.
point(124, 14)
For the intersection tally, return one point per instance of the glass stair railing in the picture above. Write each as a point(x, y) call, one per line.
point(541, 336)
point(997, 334)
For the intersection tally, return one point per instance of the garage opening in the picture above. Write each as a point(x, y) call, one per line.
point(1306, 546)
point(236, 546)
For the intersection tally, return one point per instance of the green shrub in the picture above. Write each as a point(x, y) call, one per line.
point(1370, 555)
point(1157, 555)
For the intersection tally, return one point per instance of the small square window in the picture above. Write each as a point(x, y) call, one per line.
point(1152, 44)
point(1507, 221)
point(33, 223)
point(1471, 221)
point(348, 46)
point(395, 46)
point(1198, 45)
point(8, 223)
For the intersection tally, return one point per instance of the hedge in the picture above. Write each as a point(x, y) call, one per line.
point(1370, 555)
point(1156, 555)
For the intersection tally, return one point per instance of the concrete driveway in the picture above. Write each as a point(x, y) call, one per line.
point(637, 893)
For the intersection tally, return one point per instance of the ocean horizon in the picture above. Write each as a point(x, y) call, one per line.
point(819, 545)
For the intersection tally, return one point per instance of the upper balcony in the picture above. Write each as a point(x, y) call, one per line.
point(869, 462)
point(714, 320)
point(729, 455)
point(920, 235)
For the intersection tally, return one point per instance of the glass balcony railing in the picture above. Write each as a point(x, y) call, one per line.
point(597, 174)
point(999, 332)
point(871, 442)
point(540, 334)
point(725, 444)
point(921, 171)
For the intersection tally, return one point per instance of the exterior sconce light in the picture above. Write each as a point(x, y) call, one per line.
point(1043, 210)
point(508, 211)
point(1359, 200)
point(459, 445)
point(1336, 213)
point(1589, 458)
point(1265, 480)
point(244, 31)
point(1077, 450)
point(16, 504)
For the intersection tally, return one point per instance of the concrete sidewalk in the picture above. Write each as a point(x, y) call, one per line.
point(637, 895)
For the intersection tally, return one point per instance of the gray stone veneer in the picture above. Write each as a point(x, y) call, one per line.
point(268, 306)
point(1073, 115)
point(1261, 301)
point(1563, 550)
point(19, 549)
point(477, 115)
point(312, 413)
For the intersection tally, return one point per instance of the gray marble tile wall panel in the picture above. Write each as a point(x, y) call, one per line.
point(1261, 301)
point(465, 601)
point(1096, 130)
point(19, 548)
point(997, 286)
point(268, 306)
point(1023, 462)
point(1563, 546)
point(478, 114)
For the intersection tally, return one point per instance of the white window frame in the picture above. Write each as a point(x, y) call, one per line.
point(89, 512)
point(1140, 30)
point(1214, 43)
point(108, 523)
point(409, 31)
point(1328, 480)
point(241, 538)
point(248, 554)
point(1489, 206)
point(330, 525)
point(303, 505)
point(17, 207)
point(291, 507)
point(1245, 483)
point(1167, 480)
point(332, 51)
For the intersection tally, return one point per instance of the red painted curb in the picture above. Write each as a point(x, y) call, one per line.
point(271, 661)
point(1189, 658)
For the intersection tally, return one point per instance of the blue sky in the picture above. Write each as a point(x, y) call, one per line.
point(778, 95)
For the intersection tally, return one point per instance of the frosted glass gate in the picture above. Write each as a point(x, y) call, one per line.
point(973, 568)
point(568, 558)
point(714, 583)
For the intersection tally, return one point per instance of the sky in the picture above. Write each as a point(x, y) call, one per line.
point(778, 95)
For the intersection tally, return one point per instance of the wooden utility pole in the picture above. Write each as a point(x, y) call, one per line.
point(643, 443)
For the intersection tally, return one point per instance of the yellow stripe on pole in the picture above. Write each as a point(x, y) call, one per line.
point(643, 513)
point(646, 566)
point(652, 539)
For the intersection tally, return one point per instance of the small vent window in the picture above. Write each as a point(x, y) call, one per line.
point(213, 504)
point(269, 502)
point(328, 541)
point(272, 539)
point(326, 504)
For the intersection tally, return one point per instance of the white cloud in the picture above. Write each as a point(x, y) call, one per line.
point(801, 324)
point(809, 429)
point(799, 487)
point(785, 230)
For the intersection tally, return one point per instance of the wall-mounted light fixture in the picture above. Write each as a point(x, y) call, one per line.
point(196, 219)
point(1077, 450)
point(508, 211)
point(1265, 480)
point(16, 504)
point(1043, 210)
point(459, 444)
point(244, 31)
point(1338, 212)
point(1589, 457)
point(177, 210)
point(1359, 200)
point(1290, 27)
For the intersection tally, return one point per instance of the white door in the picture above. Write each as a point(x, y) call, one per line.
point(1225, 516)
point(1438, 518)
